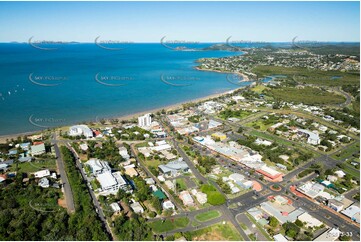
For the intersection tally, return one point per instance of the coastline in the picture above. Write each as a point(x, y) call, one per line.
point(245, 77)
point(3, 138)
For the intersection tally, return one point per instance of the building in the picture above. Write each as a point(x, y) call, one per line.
point(170, 184)
point(145, 120)
point(42, 173)
point(186, 198)
point(174, 167)
point(123, 152)
point(312, 138)
point(168, 205)
point(311, 189)
point(309, 220)
point(130, 170)
point(281, 216)
point(37, 149)
point(280, 238)
point(200, 196)
point(44, 182)
point(329, 235)
point(115, 207)
point(270, 173)
point(353, 212)
point(335, 205)
point(219, 136)
point(98, 166)
point(137, 208)
point(79, 130)
point(111, 182)
point(213, 124)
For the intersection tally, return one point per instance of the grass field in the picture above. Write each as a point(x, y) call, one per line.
point(259, 123)
point(349, 169)
point(168, 225)
point(34, 166)
point(345, 153)
point(306, 95)
point(258, 89)
point(181, 184)
point(208, 215)
point(304, 75)
point(217, 232)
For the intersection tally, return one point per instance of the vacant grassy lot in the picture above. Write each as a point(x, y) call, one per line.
point(306, 95)
point(217, 232)
point(34, 166)
point(316, 77)
point(208, 215)
point(169, 224)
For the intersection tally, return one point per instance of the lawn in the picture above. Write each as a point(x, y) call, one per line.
point(349, 169)
point(260, 123)
point(181, 185)
point(345, 153)
point(169, 224)
point(217, 232)
point(208, 215)
point(34, 166)
point(153, 162)
point(258, 89)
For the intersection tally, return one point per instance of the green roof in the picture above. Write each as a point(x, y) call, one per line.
point(159, 194)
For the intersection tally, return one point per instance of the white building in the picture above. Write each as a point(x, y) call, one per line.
point(137, 208)
point(309, 220)
point(98, 166)
point(42, 173)
point(111, 182)
point(123, 152)
point(44, 182)
point(312, 138)
point(79, 130)
point(115, 207)
point(167, 205)
point(145, 120)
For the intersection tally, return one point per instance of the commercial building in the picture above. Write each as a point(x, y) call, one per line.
point(145, 120)
point(111, 182)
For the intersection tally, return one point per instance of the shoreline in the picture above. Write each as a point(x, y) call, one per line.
point(244, 76)
point(3, 138)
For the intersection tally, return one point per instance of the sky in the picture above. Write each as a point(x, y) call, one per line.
point(180, 21)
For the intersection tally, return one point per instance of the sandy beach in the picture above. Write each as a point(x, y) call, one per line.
point(3, 138)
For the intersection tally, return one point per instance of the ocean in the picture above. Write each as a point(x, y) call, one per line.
point(81, 82)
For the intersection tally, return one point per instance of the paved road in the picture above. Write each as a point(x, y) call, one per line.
point(97, 206)
point(68, 194)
